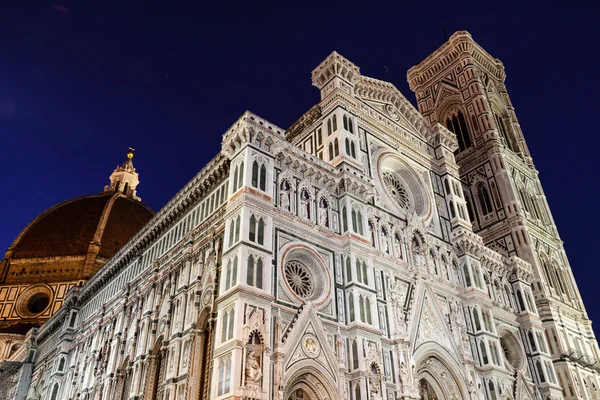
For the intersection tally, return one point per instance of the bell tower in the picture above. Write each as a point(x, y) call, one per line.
point(462, 87)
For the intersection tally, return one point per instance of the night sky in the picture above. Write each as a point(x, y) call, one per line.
point(81, 81)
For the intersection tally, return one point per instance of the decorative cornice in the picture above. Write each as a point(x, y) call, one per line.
point(303, 122)
point(460, 43)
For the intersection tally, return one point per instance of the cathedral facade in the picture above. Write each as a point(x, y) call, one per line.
point(370, 251)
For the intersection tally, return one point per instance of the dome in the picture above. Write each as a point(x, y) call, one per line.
point(71, 240)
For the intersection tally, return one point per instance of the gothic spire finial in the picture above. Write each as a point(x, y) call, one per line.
point(124, 179)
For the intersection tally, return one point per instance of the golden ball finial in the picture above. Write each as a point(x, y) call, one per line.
point(130, 153)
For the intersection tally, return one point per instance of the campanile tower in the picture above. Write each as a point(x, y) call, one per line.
point(462, 87)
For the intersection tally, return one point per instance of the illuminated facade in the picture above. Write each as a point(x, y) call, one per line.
point(367, 252)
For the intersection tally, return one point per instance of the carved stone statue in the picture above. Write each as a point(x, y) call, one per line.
point(285, 199)
point(253, 369)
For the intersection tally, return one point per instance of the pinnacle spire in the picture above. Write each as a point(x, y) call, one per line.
point(124, 179)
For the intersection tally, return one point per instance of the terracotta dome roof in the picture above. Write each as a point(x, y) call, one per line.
point(88, 229)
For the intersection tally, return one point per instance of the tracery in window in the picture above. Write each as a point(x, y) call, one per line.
point(299, 278)
point(259, 175)
point(485, 203)
point(396, 189)
point(456, 123)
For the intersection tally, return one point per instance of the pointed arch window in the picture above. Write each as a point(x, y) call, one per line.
point(328, 127)
point(351, 306)
point(344, 219)
point(484, 355)
point(259, 175)
point(241, 176)
point(256, 231)
point(484, 199)
point(348, 269)
point(350, 125)
point(347, 141)
point(254, 272)
point(458, 126)
point(345, 122)
point(336, 147)
point(330, 151)
point(235, 178)
point(334, 121)
point(352, 150)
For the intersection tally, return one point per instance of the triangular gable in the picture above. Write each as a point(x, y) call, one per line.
point(309, 342)
point(429, 324)
point(522, 390)
point(390, 111)
point(445, 90)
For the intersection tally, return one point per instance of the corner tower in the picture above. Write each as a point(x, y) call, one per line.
point(462, 87)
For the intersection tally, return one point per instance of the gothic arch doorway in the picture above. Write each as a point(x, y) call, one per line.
point(309, 384)
point(437, 382)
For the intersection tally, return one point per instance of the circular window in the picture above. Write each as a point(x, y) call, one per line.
point(33, 301)
point(396, 189)
point(401, 186)
point(38, 303)
point(299, 279)
point(304, 275)
point(511, 348)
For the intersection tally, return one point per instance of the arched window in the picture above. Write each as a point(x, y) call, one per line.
point(467, 275)
point(345, 119)
point(484, 199)
point(447, 185)
point(252, 230)
point(241, 176)
point(504, 134)
point(255, 174)
point(347, 141)
point(364, 273)
point(237, 228)
point(235, 178)
point(484, 356)
point(334, 119)
point(351, 306)
point(352, 150)
point(358, 271)
point(328, 127)
point(54, 395)
point(458, 126)
point(521, 302)
point(319, 137)
point(476, 320)
point(227, 274)
point(350, 125)
point(261, 231)
point(234, 271)
point(263, 177)
point(330, 151)
point(472, 216)
point(336, 147)
point(540, 371)
point(368, 310)
point(492, 390)
point(348, 270)
point(452, 210)
point(361, 306)
point(344, 220)
point(250, 271)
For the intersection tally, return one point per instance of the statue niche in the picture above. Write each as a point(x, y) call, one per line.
point(253, 365)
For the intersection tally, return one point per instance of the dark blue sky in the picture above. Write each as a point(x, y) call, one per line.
point(80, 81)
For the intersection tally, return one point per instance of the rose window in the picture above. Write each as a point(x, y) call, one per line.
point(511, 349)
point(396, 190)
point(299, 279)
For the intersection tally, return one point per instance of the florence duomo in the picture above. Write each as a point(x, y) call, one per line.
point(370, 251)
